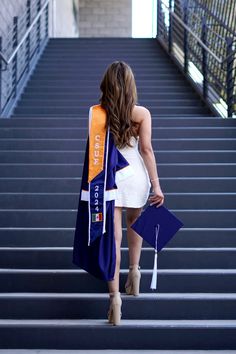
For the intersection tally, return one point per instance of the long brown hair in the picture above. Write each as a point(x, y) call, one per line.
point(119, 95)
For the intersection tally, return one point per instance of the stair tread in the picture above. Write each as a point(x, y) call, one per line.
point(125, 323)
point(148, 296)
point(166, 249)
point(124, 271)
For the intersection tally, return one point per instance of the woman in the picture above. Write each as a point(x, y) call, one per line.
point(129, 124)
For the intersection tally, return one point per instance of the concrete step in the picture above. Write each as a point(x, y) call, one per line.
point(94, 75)
point(47, 201)
point(173, 258)
point(103, 61)
point(31, 109)
point(107, 57)
point(67, 218)
point(79, 144)
point(170, 115)
point(182, 185)
point(152, 103)
point(75, 169)
point(146, 306)
point(70, 122)
point(73, 156)
point(64, 236)
point(82, 132)
point(144, 67)
point(111, 351)
point(86, 82)
point(94, 97)
point(91, 91)
point(90, 334)
point(79, 281)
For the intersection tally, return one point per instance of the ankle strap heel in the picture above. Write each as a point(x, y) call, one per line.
point(133, 281)
point(134, 266)
point(114, 313)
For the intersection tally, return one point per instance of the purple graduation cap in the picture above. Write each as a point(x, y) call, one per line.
point(156, 225)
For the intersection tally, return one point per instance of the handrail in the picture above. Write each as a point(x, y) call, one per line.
point(233, 52)
point(210, 71)
point(2, 56)
point(16, 69)
point(220, 61)
point(195, 36)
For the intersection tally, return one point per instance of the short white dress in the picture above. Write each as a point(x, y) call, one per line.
point(133, 191)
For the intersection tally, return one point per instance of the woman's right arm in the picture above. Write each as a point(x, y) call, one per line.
point(146, 151)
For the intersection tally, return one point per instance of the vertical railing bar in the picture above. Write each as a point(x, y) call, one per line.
point(227, 14)
point(224, 10)
point(0, 77)
point(186, 37)
point(14, 63)
point(28, 21)
point(46, 20)
point(38, 26)
point(229, 77)
point(170, 28)
point(232, 16)
point(221, 12)
point(204, 58)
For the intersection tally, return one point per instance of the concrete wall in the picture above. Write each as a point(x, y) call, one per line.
point(64, 18)
point(73, 18)
point(105, 18)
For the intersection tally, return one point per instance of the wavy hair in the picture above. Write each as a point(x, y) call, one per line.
point(119, 95)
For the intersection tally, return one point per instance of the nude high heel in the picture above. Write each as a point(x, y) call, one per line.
point(114, 312)
point(133, 281)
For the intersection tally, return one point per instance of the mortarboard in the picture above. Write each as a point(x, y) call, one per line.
point(156, 225)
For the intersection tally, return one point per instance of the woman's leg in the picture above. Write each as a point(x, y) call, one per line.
point(134, 240)
point(113, 285)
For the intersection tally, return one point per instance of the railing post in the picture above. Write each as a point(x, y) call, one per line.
point(28, 20)
point(0, 77)
point(14, 62)
point(204, 58)
point(38, 26)
point(185, 37)
point(229, 76)
point(46, 20)
point(170, 27)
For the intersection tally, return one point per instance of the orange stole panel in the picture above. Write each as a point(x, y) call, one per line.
point(97, 136)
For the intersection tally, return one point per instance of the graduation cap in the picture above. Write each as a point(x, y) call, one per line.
point(156, 225)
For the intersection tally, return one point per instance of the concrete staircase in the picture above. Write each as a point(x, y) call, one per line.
point(46, 301)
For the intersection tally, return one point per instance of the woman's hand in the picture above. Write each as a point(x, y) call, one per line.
point(157, 197)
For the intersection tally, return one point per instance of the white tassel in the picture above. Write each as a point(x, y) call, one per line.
point(154, 272)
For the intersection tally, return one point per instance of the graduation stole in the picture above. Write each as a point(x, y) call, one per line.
point(97, 171)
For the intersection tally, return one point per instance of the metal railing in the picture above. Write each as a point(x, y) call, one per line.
point(20, 50)
point(206, 56)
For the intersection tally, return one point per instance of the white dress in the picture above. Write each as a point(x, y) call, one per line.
point(133, 191)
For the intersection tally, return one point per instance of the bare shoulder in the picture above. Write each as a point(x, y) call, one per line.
point(140, 113)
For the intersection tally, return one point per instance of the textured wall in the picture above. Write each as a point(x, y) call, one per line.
point(105, 18)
